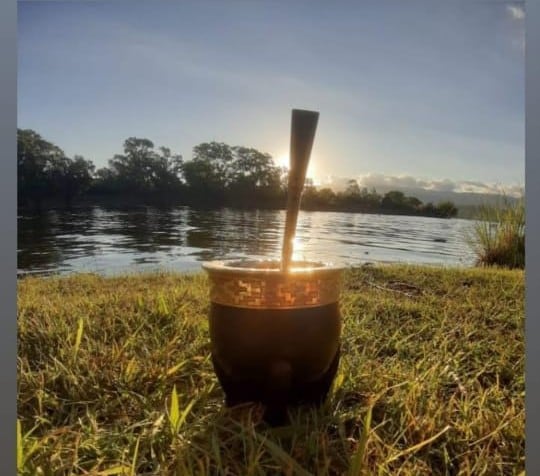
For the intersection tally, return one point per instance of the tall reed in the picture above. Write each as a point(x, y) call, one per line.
point(498, 234)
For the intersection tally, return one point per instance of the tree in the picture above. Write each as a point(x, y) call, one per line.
point(371, 200)
point(105, 181)
point(394, 201)
point(397, 202)
point(314, 199)
point(219, 156)
point(253, 168)
point(351, 198)
point(167, 170)
point(446, 209)
point(353, 189)
point(327, 196)
point(284, 179)
point(236, 174)
point(36, 160)
point(429, 209)
point(413, 203)
point(210, 171)
point(254, 176)
point(72, 177)
point(201, 178)
point(309, 195)
point(133, 168)
point(141, 169)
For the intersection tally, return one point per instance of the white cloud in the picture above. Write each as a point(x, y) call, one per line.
point(401, 181)
point(516, 12)
point(406, 183)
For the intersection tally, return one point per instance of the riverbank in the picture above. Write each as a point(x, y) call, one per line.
point(135, 201)
point(431, 379)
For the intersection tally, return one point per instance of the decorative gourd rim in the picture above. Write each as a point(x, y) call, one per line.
point(270, 267)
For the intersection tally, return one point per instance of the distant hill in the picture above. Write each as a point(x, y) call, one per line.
point(458, 198)
point(466, 202)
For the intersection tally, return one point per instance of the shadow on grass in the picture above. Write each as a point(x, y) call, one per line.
point(237, 440)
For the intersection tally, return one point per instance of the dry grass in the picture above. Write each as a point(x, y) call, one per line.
point(114, 377)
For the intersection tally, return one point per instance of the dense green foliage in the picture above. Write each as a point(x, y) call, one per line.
point(498, 235)
point(140, 169)
point(114, 377)
point(357, 199)
point(43, 170)
point(218, 174)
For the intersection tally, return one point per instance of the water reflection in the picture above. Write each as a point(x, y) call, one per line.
point(109, 240)
point(234, 233)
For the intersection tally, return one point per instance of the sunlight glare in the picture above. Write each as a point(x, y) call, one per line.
point(283, 161)
point(298, 248)
point(297, 244)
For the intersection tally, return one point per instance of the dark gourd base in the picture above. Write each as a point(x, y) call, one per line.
point(277, 357)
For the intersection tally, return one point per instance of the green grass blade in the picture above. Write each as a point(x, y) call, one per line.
point(114, 471)
point(420, 445)
point(162, 306)
point(338, 383)
point(356, 468)
point(284, 457)
point(184, 414)
point(176, 367)
point(174, 411)
point(20, 454)
point(134, 459)
point(78, 337)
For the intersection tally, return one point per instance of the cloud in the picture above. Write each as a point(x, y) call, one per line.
point(408, 184)
point(402, 181)
point(445, 185)
point(516, 12)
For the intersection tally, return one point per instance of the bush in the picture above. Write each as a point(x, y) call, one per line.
point(498, 235)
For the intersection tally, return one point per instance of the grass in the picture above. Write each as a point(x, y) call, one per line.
point(498, 235)
point(114, 377)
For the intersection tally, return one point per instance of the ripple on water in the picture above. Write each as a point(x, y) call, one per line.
point(110, 241)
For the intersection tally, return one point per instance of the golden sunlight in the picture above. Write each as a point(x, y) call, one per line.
point(298, 249)
point(283, 161)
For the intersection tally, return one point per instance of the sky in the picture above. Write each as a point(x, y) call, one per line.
point(420, 92)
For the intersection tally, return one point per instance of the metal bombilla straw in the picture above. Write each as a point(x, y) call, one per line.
point(303, 127)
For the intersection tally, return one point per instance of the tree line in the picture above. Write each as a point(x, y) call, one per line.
point(217, 175)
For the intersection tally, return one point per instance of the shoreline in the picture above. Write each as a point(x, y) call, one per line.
point(164, 204)
point(199, 270)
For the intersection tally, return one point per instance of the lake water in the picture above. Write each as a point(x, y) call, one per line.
point(110, 241)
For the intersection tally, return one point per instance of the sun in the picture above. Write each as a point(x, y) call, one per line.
point(283, 161)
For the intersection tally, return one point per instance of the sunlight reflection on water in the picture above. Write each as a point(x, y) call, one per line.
point(111, 241)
